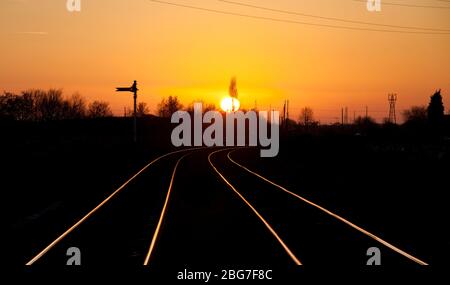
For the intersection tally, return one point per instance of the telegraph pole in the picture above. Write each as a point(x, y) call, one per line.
point(287, 112)
point(134, 90)
point(135, 112)
point(346, 115)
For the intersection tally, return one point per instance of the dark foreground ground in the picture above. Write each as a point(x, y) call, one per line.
point(52, 175)
point(395, 190)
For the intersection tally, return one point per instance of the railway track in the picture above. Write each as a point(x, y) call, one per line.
point(180, 210)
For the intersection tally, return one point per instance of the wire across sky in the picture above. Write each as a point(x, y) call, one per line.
point(280, 20)
point(331, 18)
point(410, 5)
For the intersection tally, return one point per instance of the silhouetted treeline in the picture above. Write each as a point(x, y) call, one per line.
point(429, 118)
point(169, 106)
point(40, 106)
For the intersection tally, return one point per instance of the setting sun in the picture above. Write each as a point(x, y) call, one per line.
point(230, 104)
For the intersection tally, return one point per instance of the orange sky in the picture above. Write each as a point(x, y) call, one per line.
point(193, 54)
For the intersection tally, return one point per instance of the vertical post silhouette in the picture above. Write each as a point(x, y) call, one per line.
point(134, 90)
point(287, 111)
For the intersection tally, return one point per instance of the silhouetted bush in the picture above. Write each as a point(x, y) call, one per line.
point(366, 124)
point(365, 121)
point(99, 109)
point(169, 106)
point(205, 107)
point(307, 117)
point(416, 114)
point(142, 109)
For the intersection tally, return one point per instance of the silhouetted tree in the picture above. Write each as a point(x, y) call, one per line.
point(209, 107)
point(24, 107)
point(365, 122)
point(142, 109)
point(36, 96)
point(205, 107)
point(39, 105)
point(8, 106)
point(232, 90)
point(291, 123)
point(99, 109)
point(51, 105)
point(76, 107)
point(306, 116)
point(415, 114)
point(436, 108)
point(169, 106)
point(35, 105)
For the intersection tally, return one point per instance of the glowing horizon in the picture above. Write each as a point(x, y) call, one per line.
point(193, 54)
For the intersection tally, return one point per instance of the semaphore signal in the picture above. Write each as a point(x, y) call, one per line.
point(133, 88)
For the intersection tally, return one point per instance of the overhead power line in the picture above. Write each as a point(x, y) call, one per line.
point(331, 18)
point(410, 5)
point(292, 21)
